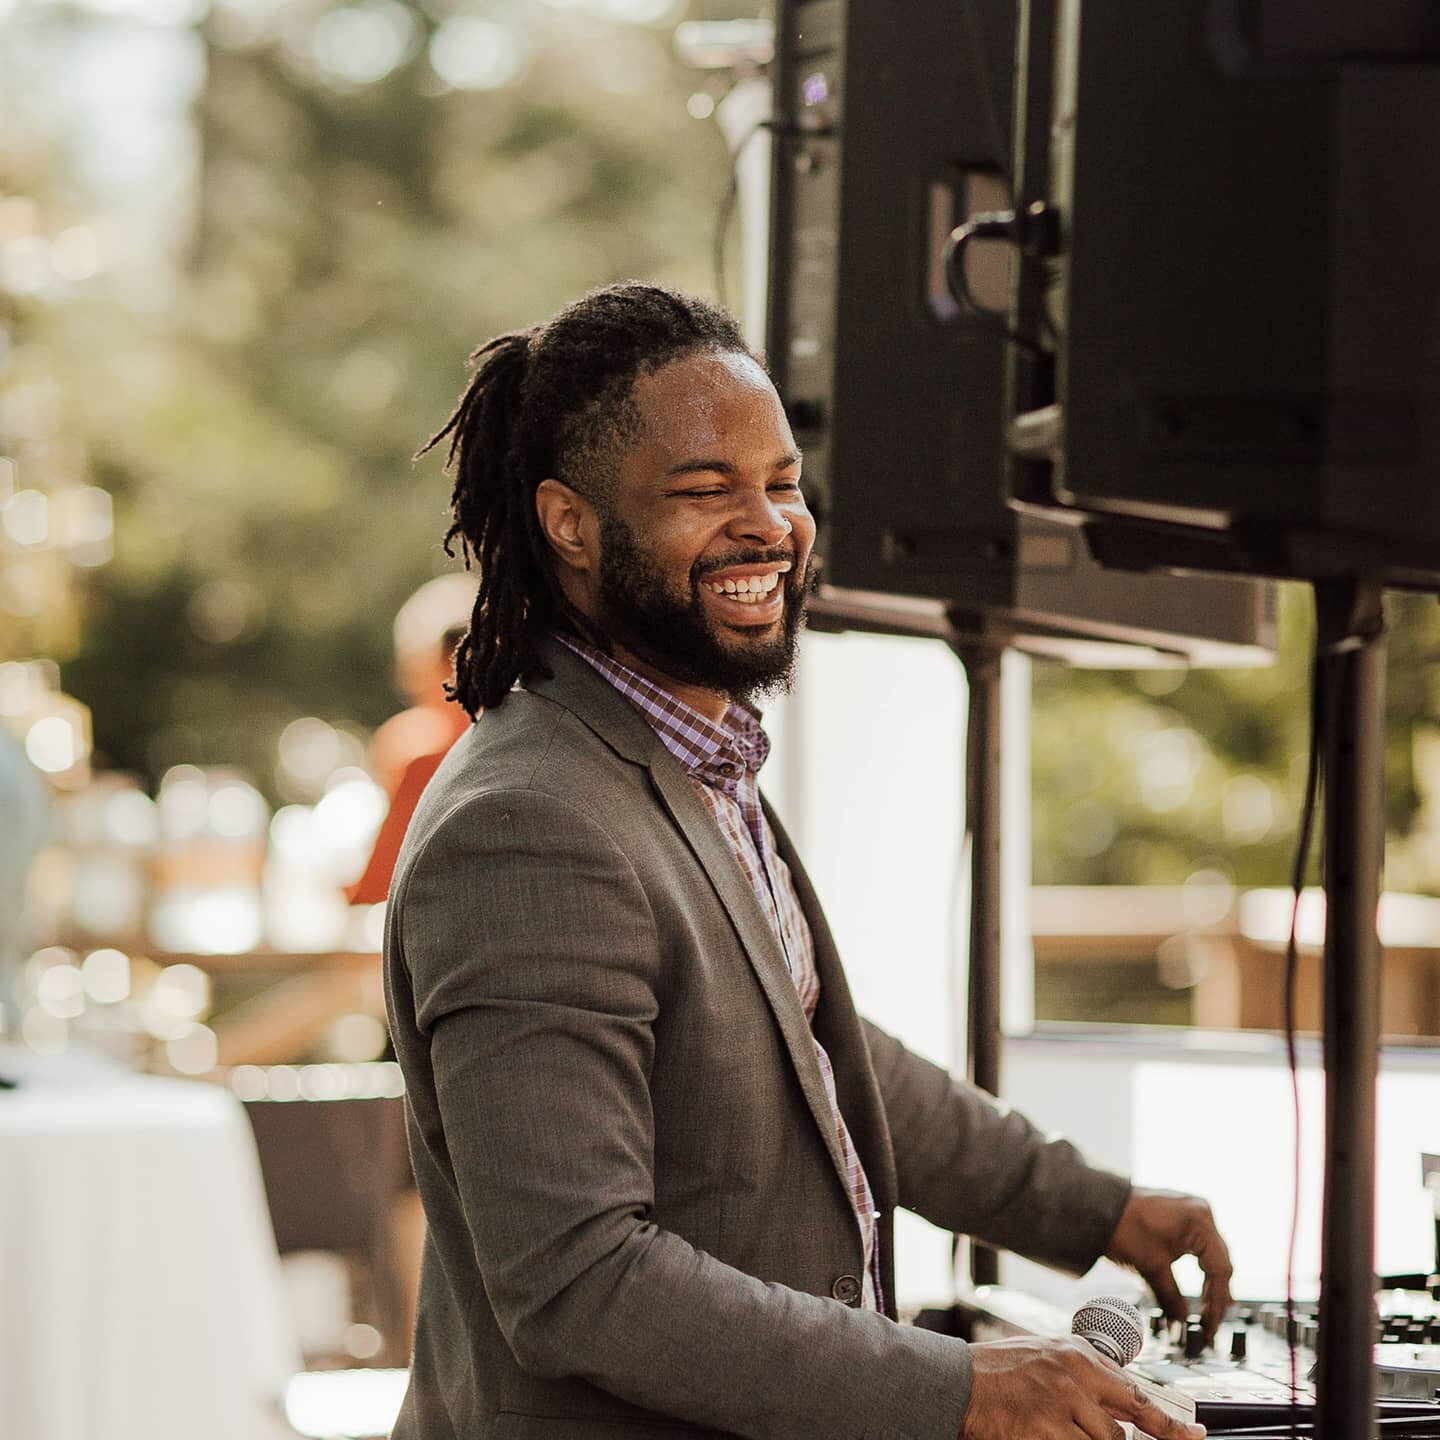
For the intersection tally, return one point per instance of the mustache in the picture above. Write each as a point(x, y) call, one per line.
point(780, 555)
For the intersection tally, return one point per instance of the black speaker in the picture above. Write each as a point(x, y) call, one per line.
point(891, 127)
point(1240, 316)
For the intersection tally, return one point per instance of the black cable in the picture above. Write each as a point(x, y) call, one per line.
point(726, 210)
point(1292, 966)
point(977, 52)
point(1000, 226)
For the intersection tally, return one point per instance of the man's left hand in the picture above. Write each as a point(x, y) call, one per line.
point(1156, 1228)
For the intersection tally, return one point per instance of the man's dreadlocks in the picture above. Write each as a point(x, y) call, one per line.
point(550, 402)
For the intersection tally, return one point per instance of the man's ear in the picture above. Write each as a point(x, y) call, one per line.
point(568, 519)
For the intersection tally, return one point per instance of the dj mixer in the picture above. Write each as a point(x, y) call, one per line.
point(1251, 1375)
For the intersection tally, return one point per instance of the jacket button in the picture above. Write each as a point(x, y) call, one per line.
point(847, 1290)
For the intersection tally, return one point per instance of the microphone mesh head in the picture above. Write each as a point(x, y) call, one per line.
point(1113, 1326)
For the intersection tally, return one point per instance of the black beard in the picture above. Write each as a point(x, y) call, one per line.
point(671, 632)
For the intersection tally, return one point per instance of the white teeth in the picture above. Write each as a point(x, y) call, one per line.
point(748, 589)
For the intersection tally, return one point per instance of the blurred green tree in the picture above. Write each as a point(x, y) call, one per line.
point(381, 188)
point(1145, 777)
point(382, 185)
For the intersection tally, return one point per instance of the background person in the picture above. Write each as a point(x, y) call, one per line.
point(407, 749)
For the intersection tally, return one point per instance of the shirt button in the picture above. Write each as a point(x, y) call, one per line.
point(846, 1290)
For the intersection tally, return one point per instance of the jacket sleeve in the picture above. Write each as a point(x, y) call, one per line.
point(967, 1162)
point(533, 958)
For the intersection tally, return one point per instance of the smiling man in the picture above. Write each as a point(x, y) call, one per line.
point(658, 1150)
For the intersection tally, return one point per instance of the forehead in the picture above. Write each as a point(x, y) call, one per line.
point(709, 403)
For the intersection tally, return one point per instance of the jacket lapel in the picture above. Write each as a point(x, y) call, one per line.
point(592, 699)
point(762, 948)
point(837, 1024)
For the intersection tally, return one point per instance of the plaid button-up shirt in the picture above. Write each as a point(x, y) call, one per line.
point(723, 762)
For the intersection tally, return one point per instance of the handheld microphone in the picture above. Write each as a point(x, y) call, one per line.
point(1113, 1326)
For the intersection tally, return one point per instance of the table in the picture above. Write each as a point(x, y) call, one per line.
point(140, 1290)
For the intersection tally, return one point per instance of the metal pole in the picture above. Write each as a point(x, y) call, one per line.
point(1351, 659)
point(982, 824)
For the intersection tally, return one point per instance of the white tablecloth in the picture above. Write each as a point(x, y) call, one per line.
point(140, 1291)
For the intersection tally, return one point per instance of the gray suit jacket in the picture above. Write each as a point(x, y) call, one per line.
point(638, 1221)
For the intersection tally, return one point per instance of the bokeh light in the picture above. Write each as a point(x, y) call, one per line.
point(471, 52)
point(236, 810)
point(26, 517)
point(349, 814)
point(130, 818)
point(357, 1037)
point(1168, 764)
point(362, 1342)
point(184, 802)
point(1248, 809)
point(360, 44)
point(52, 744)
point(248, 1082)
point(60, 992)
point(181, 992)
point(192, 1050)
point(84, 522)
point(106, 975)
point(311, 750)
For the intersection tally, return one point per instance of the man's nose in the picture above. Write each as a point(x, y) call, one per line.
point(761, 519)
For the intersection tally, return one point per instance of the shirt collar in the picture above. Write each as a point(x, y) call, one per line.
point(719, 754)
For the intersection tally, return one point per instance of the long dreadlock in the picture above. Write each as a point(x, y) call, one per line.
point(552, 401)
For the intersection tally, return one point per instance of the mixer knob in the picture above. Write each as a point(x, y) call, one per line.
point(1237, 1346)
point(1194, 1341)
point(1157, 1323)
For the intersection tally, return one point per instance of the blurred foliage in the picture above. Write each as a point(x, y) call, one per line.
point(351, 244)
point(1146, 777)
point(350, 234)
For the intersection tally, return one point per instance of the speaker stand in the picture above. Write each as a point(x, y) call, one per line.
point(982, 662)
point(1350, 675)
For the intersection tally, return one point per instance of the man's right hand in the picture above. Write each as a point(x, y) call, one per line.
point(1040, 1389)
